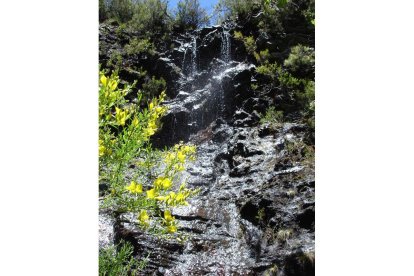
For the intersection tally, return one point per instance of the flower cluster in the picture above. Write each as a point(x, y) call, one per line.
point(169, 222)
point(134, 188)
point(155, 112)
point(121, 116)
point(125, 152)
point(176, 158)
point(109, 96)
point(143, 218)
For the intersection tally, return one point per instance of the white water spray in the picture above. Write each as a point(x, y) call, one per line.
point(225, 46)
point(194, 56)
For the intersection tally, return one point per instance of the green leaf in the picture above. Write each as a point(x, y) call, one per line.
point(282, 3)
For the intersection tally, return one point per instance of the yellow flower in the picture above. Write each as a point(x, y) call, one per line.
point(120, 116)
point(151, 128)
point(151, 194)
point(166, 183)
point(162, 198)
point(180, 197)
point(113, 84)
point(102, 148)
point(151, 106)
point(171, 199)
point(169, 158)
point(152, 125)
point(134, 188)
point(159, 109)
point(181, 156)
point(172, 229)
point(189, 149)
point(144, 218)
point(103, 80)
point(168, 217)
point(135, 122)
point(163, 182)
point(149, 132)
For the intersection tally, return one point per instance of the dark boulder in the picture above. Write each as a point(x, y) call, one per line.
point(166, 69)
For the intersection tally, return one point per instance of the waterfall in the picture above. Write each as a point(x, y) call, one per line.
point(205, 91)
point(225, 46)
point(189, 64)
point(184, 69)
point(194, 56)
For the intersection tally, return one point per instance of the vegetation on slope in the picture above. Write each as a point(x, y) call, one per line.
point(151, 188)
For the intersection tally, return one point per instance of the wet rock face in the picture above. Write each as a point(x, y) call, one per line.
point(255, 212)
point(251, 215)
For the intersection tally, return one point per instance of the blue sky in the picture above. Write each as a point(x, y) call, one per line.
point(207, 4)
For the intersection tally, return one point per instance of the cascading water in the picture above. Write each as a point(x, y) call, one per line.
point(225, 46)
point(194, 56)
point(184, 67)
point(203, 97)
point(225, 55)
point(189, 63)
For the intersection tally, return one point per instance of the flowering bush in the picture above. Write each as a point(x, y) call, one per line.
point(141, 179)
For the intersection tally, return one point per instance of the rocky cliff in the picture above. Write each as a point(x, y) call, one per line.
point(255, 213)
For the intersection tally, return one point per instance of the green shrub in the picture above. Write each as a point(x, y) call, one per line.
point(262, 56)
point(301, 61)
point(300, 151)
point(288, 81)
point(121, 10)
point(119, 263)
point(303, 90)
point(269, 13)
point(309, 94)
point(249, 42)
point(190, 15)
point(238, 35)
point(306, 100)
point(270, 21)
point(115, 60)
point(268, 69)
point(272, 117)
point(310, 155)
point(121, 28)
point(151, 17)
point(309, 13)
point(103, 11)
point(125, 130)
point(153, 87)
point(241, 9)
point(138, 46)
point(306, 96)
